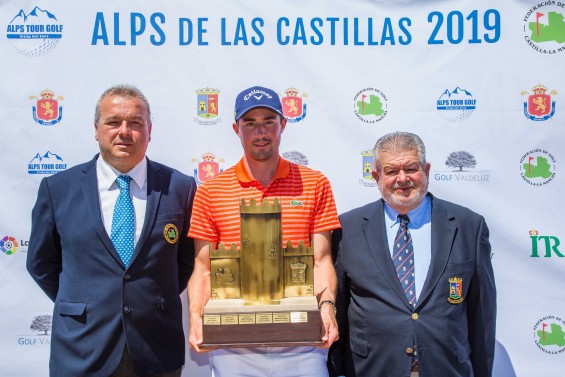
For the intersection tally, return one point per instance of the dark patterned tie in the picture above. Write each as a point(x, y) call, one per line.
point(403, 257)
point(123, 221)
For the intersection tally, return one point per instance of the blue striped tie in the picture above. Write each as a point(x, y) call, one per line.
point(123, 221)
point(403, 257)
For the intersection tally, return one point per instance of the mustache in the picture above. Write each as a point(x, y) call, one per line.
point(409, 184)
point(262, 139)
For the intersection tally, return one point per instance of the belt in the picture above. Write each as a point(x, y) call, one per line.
point(415, 368)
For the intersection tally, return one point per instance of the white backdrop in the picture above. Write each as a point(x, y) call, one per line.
point(480, 77)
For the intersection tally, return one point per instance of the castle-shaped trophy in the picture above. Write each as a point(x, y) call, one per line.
point(263, 293)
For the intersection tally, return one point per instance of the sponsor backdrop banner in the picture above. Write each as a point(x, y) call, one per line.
point(480, 81)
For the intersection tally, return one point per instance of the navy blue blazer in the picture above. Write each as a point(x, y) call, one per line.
point(378, 327)
point(100, 306)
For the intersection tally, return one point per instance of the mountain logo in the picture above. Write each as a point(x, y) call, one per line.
point(549, 335)
point(47, 163)
point(370, 105)
point(456, 105)
point(537, 167)
point(36, 33)
point(544, 27)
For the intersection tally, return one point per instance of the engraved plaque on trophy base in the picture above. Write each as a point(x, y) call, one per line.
point(234, 323)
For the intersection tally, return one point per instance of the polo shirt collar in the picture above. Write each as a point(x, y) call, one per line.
point(243, 175)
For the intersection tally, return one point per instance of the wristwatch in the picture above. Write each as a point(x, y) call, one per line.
point(329, 302)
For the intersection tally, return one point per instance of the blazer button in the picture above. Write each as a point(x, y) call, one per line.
point(409, 350)
point(414, 316)
point(127, 277)
point(127, 309)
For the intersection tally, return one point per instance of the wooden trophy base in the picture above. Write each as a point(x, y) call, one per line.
point(233, 323)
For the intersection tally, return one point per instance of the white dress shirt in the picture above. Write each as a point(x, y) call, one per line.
point(420, 226)
point(108, 193)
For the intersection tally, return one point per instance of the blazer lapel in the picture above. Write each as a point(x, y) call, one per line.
point(444, 230)
point(154, 190)
point(89, 185)
point(375, 235)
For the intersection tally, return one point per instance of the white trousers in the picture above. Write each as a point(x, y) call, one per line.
point(269, 362)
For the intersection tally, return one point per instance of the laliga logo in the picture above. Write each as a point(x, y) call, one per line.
point(47, 111)
point(8, 245)
point(36, 33)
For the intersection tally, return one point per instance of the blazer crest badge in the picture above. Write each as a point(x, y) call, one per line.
point(455, 290)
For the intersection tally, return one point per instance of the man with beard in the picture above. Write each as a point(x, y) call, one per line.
point(416, 291)
point(308, 214)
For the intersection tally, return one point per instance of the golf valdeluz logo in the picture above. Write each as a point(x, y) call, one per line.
point(463, 164)
point(41, 324)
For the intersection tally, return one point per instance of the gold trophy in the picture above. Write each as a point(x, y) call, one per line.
point(263, 294)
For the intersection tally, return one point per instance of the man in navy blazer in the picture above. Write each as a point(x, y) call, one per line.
point(114, 316)
point(448, 329)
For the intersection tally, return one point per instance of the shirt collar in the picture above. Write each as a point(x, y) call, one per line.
point(418, 216)
point(109, 174)
point(243, 175)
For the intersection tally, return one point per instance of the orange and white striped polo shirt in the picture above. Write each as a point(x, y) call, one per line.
point(305, 196)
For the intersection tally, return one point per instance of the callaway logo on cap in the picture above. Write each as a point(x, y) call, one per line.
point(257, 96)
